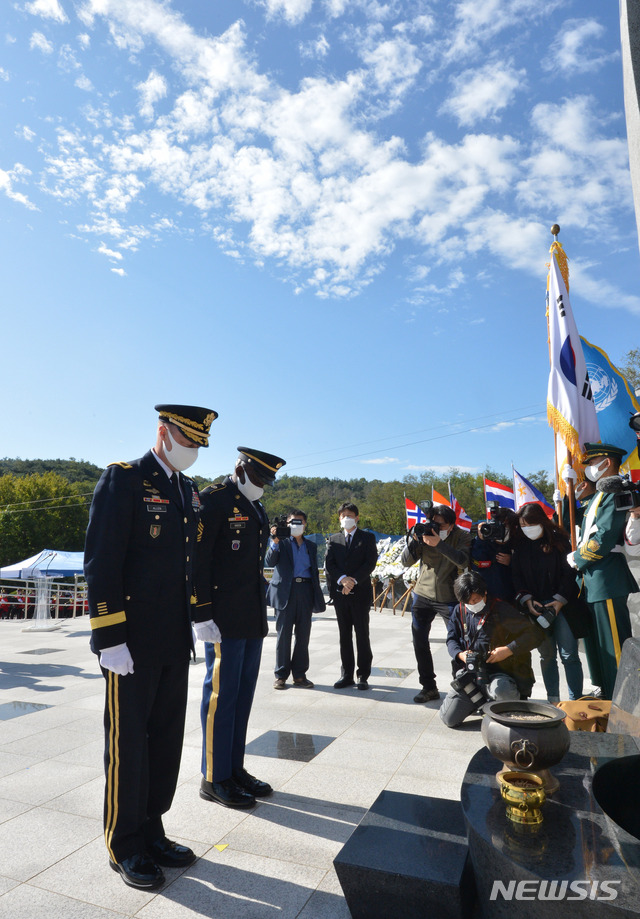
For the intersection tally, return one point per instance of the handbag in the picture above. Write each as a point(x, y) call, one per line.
point(586, 714)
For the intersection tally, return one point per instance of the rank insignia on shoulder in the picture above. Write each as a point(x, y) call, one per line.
point(122, 464)
point(154, 530)
point(235, 544)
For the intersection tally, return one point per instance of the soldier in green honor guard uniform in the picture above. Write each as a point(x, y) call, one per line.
point(602, 567)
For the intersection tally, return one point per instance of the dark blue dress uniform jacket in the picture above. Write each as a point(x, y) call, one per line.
point(232, 539)
point(139, 557)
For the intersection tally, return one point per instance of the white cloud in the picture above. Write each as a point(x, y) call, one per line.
point(39, 41)
point(48, 9)
point(442, 470)
point(480, 21)
point(119, 271)
point(84, 40)
point(482, 93)
point(318, 48)
point(110, 253)
point(293, 11)
point(25, 132)
point(151, 91)
point(381, 461)
point(83, 82)
point(7, 180)
point(395, 64)
point(4, 75)
point(570, 51)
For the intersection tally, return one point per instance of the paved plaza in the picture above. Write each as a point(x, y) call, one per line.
point(327, 753)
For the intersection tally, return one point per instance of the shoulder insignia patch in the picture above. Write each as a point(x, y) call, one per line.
point(209, 490)
point(593, 545)
point(122, 465)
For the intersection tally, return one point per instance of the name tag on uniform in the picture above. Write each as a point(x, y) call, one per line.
point(237, 525)
point(157, 508)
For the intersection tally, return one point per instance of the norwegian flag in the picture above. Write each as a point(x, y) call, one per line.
point(463, 520)
point(415, 514)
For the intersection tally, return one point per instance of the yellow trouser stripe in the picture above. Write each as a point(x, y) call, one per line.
point(114, 758)
point(211, 711)
point(614, 630)
point(99, 622)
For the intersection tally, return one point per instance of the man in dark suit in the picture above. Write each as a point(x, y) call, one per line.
point(351, 558)
point(295, 594)
point(231, 590)
point(138, 567)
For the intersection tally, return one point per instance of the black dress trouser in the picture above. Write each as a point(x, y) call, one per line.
point(144, 719)
point(352, 614)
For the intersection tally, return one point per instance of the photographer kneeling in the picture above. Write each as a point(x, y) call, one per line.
point(490, 643)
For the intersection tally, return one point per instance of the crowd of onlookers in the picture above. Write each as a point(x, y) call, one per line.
point(20, 603)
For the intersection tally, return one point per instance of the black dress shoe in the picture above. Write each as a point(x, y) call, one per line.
point(228, 793)
point(251, 784)
point(171, 854)
point(139, 871)
point(362, 684)
point(343, 683)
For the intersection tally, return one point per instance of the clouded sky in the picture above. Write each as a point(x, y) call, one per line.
point(326, 219)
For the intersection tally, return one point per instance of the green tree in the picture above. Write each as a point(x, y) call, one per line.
point(630, 367)
point(40, 512)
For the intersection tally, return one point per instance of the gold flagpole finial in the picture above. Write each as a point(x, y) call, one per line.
point(558, 250)
point(555, 229)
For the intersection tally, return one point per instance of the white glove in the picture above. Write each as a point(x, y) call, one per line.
point(557, 496)
point(207, 631)
point(569, 475)
point(117, 659)
point(571, 560)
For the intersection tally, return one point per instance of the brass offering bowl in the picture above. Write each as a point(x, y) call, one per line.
point(523, 793)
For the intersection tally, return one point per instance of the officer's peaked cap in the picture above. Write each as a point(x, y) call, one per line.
point(193, 420)
point(593, 450)
point(264, 465)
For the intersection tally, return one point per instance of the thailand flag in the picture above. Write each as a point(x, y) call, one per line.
point(415, 514)
point(463, 520)
point(493, 491)
point(526, 493)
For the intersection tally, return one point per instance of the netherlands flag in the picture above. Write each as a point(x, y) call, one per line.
point(415, 514)
point(463, 520)
point(493, 491)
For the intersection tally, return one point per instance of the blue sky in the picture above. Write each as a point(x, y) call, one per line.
point(326, 219)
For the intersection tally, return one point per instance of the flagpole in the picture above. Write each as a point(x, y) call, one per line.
point(556, 247)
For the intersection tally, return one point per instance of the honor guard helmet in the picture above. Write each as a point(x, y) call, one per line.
point(193, 420)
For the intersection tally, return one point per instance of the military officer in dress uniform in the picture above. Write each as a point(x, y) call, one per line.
point(230, 590)
point(139, 555)
point(602, 566)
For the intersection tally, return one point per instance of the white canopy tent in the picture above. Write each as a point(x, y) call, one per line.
point(50, 563)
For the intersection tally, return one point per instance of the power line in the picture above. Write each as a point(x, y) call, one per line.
point(85, 494)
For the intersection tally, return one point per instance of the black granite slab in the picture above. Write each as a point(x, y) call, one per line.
point(576, 842)
point(625, 707)
point(407, 858)
point(10, 710)
point(42, 651)
point(301, 748)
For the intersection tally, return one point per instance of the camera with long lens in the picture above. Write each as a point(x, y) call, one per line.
point(283, 531)
point(425, 527)
point(493, 528)
point(547, 616)
point(472, 681)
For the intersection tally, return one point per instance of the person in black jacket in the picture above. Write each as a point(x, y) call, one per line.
point(503, 636)
point(350, 560)
point(491, 558)
point(138, 566)
point(295, 594)
point(542, 577)
point(231, 591)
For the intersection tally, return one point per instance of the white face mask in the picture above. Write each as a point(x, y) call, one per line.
point(178, 456)
point(297, 529)
point(534, 532)
point(347, 523)
point(593, 473)
point(443, 533)
point(249, 490)
point(476, 607)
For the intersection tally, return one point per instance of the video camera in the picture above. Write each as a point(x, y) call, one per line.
point(626, 494)
point(283, 531)
point(472, 681)
point(493, 529)
point(426, 527)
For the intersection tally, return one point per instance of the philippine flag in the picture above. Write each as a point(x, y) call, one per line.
point(463, 520)
point(415, 514)
point(493, 491)
point(526, 493)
